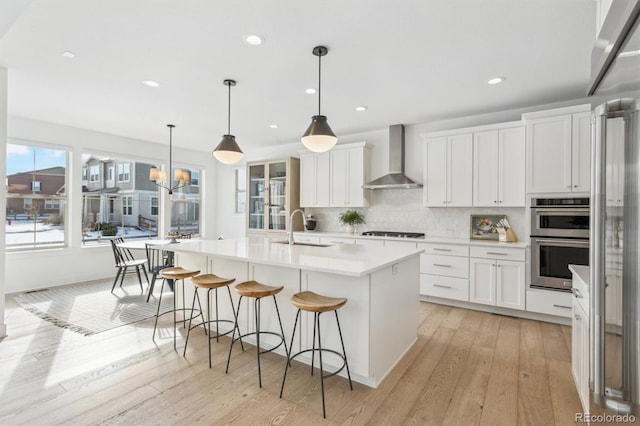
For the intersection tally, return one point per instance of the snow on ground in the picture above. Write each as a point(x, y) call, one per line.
point(22, 233)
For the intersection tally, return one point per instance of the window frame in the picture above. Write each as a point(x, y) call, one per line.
point(240, 192)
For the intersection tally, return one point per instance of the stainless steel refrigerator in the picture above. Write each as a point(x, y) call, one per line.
point(615, 258)
point(615, 212)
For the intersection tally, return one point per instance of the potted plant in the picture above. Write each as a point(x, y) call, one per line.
point(351, 218)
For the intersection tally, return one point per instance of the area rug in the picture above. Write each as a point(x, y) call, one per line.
point(91, 308)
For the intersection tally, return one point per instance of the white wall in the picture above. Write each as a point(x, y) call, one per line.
point(36, 269)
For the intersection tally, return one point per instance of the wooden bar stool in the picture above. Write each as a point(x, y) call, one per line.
point(312, 302)
point(210, 282)
point(257, 291)
point(175, 274)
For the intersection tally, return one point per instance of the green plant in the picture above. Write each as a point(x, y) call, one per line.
point(108, 229)
point(351, 217)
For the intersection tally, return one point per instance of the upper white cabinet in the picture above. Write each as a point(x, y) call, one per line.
point(498, 168)
point(315, 181)
point(348, 175)
point(335, 178)
point(558, 148)
point(448, 171)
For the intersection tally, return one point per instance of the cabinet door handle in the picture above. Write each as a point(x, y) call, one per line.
point(496, 253)
point(576, 293)
point(577, 317)
point(561, 306)
point(442, 286)
point(440, 249)
point(336, 242)
point(442, 265)
point(495, 201)
point(575, 186)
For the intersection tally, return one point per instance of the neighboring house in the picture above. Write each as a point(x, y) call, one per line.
point(118, 191)
point(43, 182)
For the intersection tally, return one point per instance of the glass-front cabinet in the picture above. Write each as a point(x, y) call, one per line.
point(273, 194)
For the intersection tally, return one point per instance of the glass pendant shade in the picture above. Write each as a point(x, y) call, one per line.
point(154, 174)
point(228, 151)
point(319, 137)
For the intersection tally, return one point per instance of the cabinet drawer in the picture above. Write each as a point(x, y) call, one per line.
point(337, 240)
point(447, 287)
point(549, 302)
point(303, 238)
point(500, 253)
point(370, 243)
point(445, 249)
point(450, 266)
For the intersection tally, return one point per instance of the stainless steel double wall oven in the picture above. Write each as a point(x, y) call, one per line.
point(559, 237)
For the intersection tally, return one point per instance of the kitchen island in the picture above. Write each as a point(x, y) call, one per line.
point(379, 322)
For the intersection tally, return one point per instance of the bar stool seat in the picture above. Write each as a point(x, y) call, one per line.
point(210, 282)
point(312, 302)
point(257, 291)
point(175, 274)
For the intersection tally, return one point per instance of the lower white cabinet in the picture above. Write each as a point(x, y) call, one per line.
point(444, 271)
point(550, 302)
point(337, 240)
point(497, 282)
point(580, 352)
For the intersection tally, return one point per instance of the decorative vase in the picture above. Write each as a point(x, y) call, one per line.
point(351, 229)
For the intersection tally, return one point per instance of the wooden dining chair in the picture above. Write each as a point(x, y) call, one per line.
point(126, 263)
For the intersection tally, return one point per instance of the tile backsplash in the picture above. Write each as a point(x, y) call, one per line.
point(402, 210)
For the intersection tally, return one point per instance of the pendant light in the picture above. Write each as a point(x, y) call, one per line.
point(228, 151)
point(319, 137)
point(159, 177)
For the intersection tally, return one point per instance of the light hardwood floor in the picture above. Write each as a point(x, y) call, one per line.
point(466, 368)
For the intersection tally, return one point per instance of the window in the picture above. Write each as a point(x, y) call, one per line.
point(127, 206)
point(154, 206)
point(84, 173)
point(185, 206)
point(241, 189)
point(195, 178)
point(123, 172)
point(94, 174)
point(36, 197)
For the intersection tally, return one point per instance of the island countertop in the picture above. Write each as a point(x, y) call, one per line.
point(344, 259)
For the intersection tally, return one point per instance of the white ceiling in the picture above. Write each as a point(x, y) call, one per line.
point(408, 61)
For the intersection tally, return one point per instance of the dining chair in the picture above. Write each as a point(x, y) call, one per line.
point(157, 260)
point(126, 263)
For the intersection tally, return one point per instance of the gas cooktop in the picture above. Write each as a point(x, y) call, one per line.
point(393, 234)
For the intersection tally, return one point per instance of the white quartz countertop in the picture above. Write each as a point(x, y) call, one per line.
point(342, 259)
point(427, 239)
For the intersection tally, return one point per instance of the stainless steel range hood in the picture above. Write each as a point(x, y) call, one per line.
point(395, 179)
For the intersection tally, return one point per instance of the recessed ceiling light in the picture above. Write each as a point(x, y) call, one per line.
point(253, 39)
point(151, 83)
point(310, 91)
point(361, 108)
point(496, 80)
point(274, 126)
point(68, 54)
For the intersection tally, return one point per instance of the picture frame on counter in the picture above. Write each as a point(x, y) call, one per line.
point(484, 226)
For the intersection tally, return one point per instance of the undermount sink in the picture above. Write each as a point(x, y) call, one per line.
point(302, 244)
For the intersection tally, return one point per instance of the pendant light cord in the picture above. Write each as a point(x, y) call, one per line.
point(170, 126)
point(319, 81)
point(229, 112)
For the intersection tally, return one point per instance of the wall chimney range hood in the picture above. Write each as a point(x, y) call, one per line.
point(395, 179)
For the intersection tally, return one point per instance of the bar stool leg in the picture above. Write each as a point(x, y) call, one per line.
point(155, 326)
point(284, 341)
point(233, 336)
point(193, 305)
point(235, 317)
point(317, 320)
point(286, 368)
point(313, 344)
point(256, 311)
point(343, 351)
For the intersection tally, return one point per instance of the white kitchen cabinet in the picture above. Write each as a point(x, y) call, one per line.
point(499, 168)
point(497, 277)
point(348, 173)
point(444, 271)
point(337, 240)
point(449, 171)
point(580, 339)
point(558, 148)
point(370, 243)
point(549, 302)
point(315, 179)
